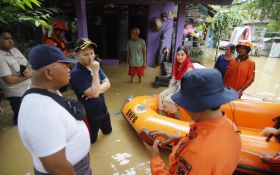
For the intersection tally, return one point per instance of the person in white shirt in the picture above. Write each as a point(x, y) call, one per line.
point(58, 141)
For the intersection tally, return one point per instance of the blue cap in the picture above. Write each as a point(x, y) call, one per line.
point(203, 89)
point(43, 55)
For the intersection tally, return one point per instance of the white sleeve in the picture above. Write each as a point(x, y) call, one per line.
point(172, 82)
point(45, 134)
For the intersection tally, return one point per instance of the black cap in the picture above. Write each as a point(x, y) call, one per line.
point(83, 43)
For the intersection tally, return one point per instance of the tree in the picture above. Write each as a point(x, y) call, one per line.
point(24, 11)
point(265, 9)
point(224, 21)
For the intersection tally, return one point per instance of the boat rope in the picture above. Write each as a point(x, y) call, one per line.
point(232, 109)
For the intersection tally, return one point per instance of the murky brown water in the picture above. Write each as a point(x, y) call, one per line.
point(121, 152)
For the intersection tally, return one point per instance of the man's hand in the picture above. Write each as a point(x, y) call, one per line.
point(169, 138)
point(27, 71)
point(154, 151)
point(95, 66)
point(268, 130)
point(169, 107)
point(266, 157)
point(87, 97)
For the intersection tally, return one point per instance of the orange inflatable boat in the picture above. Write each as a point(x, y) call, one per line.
point(250, 116)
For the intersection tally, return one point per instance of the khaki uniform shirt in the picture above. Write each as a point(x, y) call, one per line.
point(10, 65)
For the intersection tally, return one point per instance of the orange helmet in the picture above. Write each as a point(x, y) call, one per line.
point(59, 24)
point(245, 43)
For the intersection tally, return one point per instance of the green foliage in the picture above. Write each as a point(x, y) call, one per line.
point(201, 28)
point(273, 26)
point(265, 9)
point(224, 21)
point(22, 11)
point(273, 29)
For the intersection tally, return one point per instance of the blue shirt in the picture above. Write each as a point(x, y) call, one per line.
point(81, 79)
point(221, 64)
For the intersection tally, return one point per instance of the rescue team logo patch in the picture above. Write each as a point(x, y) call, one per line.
point(140, 109)
point(183, 167)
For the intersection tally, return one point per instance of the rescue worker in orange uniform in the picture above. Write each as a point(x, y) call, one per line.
point(59, 30)
point(213, 144)
point(56, 39)
point(240, 73)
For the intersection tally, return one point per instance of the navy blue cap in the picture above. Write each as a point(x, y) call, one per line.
point(203, 89)
point(43, 55)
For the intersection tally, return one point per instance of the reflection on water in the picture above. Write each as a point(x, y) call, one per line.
point(135, 170)
point(122, 158)
point(118, 140)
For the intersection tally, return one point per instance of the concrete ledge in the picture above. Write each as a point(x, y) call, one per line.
point(110, 61)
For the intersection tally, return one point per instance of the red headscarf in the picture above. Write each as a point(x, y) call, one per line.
point(178, 71)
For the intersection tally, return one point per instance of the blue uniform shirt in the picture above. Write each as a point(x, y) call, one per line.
point(222, 64)
point(81, 79)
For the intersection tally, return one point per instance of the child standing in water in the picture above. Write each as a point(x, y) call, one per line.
point(181, 65)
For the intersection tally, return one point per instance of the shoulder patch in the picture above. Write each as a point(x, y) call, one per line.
point(183, 167)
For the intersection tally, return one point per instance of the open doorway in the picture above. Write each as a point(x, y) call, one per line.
point(137, 17)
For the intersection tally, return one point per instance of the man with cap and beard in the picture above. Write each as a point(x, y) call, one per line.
point(213, 144)
point(51, 126)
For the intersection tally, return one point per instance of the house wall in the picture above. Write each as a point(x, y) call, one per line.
point(153, 38)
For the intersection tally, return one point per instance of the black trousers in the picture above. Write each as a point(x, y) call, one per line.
point(15, 104)
point(104, 124)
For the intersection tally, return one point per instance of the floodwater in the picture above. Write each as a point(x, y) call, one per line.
point(122, 152)
point(267, 78)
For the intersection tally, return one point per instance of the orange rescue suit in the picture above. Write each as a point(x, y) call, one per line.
point(212, 147)
point(240, 74)
point(54, 41)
